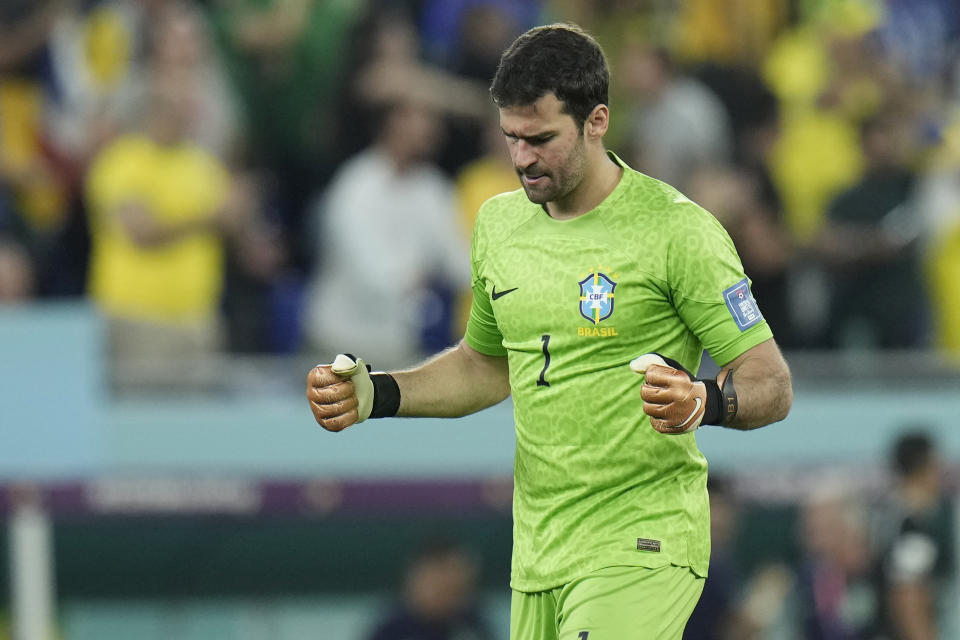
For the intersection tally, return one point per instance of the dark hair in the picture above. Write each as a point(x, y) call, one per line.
point(558, 58)
point(911, 452)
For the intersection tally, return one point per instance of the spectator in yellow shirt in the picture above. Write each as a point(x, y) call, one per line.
point(160, 207)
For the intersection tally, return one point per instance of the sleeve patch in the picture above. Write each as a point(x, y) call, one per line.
point(742, 306)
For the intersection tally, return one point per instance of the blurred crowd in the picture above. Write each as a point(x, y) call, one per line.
point(280, 176)
point(871, 562)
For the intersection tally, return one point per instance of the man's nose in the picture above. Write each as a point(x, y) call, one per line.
point(523, 154)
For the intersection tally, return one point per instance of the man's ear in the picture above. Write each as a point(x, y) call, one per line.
point(597, 122)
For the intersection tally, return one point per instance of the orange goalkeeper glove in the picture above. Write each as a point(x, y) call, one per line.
point(679, 403)
point(337, 405)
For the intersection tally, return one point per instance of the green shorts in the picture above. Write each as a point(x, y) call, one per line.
point(616, 603)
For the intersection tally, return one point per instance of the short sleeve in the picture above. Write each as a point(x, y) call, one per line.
point(709, 288)
point(483, 333)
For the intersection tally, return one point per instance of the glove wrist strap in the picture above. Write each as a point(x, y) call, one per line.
point(721, 404)
point(386, 396)
point(712, 412)
point(729, 397)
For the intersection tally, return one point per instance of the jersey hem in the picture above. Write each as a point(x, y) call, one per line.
point(533, 586)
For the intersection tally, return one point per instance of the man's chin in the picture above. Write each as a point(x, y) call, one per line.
point(536, 196)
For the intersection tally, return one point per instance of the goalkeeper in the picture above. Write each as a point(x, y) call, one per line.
point(595, 291)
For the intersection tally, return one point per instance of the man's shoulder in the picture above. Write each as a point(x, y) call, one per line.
point(372, 169)
point(366, 165)
point(505, 203)
point(652, 205)
point(503, 213)
point(125, 159)
point(655, 193)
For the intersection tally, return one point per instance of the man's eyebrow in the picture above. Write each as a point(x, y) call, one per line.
point(543, 135)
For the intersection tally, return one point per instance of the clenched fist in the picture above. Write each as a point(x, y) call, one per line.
point(340, 394)
point(675, 401)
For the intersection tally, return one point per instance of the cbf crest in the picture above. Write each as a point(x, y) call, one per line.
point(596, 295)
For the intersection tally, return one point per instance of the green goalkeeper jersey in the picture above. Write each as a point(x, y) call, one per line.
point(570, 303)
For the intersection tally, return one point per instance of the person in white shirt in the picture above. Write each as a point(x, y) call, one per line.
point(401, 210)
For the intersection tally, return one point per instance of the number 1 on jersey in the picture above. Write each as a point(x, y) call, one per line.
point(542, 381)
point(583, 635)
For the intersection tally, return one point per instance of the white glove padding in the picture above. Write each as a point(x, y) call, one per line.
point(356, 370)
point(673, 399)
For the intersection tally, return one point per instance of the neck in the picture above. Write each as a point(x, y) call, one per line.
point(601, 177)
point(401, 161)
point(164, 134)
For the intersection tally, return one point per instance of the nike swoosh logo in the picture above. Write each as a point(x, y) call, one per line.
point(693, 414)
point(499, 294)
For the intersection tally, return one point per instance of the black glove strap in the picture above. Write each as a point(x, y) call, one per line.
point(730, 402)
point(386, 396)
point(722, 403)
point(713, 412)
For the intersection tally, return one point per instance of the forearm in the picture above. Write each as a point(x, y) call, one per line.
point(146, 231)
point(454, 383)
point(763, 385)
